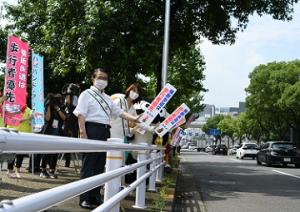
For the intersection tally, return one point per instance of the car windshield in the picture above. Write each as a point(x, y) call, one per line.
point(250, 146)
point(282, 146)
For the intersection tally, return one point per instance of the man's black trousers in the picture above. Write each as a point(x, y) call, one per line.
point(94, 163)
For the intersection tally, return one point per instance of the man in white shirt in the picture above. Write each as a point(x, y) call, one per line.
point(94, 112)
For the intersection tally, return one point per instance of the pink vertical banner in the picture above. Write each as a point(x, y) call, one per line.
point(15, 80)
point(176, 136)
point(191, 118)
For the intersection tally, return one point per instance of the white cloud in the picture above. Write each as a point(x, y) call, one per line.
point(263, 41)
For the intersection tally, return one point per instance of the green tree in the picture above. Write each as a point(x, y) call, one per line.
point(186, 74)
point(240, 127)
point(3, 47)
point(212, 123)
point(126, 36)
point(227, 127)
point(272, 98)
point(3, 44)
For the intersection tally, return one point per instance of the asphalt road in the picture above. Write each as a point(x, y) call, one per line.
point(228, 184)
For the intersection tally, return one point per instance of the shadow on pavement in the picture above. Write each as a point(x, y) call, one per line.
point(219, 181)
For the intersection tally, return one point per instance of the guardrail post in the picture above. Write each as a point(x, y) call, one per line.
point(141, 189)
point(114, 160)
point(162, 154)
point(151, 186)
point(158, 172)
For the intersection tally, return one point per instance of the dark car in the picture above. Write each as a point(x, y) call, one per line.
point(278, 153)
point(220, 149)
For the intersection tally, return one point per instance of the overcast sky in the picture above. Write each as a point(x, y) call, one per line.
point(227, 67)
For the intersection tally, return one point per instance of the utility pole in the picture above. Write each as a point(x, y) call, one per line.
point(165, 57)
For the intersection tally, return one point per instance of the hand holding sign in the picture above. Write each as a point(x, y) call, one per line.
point(158, 103)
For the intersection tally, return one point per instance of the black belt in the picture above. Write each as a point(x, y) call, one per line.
point(94, 124)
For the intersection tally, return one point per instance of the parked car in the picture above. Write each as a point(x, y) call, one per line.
point(247, 150)
point(210, 148)
point(278, 153)
point(232, 150)
point(220, 149)
point(192, 147)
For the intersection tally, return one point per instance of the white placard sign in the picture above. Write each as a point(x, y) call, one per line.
point(172, 120)
point(157, 104)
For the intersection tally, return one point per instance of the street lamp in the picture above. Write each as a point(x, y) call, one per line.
point(166, 45)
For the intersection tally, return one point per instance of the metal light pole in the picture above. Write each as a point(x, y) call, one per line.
point(166, 45)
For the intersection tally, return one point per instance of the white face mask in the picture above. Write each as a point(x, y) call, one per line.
point(133, 95)
point(100, 84)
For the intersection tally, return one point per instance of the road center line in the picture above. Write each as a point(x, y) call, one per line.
point(287, 174)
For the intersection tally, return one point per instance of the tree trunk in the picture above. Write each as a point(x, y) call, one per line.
point(232, 141)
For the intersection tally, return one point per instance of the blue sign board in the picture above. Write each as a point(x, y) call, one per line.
point(214, 132)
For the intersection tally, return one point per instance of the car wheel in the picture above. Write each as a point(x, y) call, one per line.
point(268, 162)
point(258, 162)
point(284, 165)
point(253, 158)
point(297, 165)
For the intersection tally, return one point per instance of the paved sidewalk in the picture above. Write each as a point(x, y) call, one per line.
point(28, 184)
point(187, 198)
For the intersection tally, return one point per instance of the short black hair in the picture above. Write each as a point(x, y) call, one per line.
point(93, 75)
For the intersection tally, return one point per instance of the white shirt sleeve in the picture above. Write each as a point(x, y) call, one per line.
point(82, 106)
point(116, 110)
point(117, 102)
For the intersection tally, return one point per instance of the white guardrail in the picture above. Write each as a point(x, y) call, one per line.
point(27, 143)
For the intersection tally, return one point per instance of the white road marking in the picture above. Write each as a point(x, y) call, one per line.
point(287, 174)
point(220, 182)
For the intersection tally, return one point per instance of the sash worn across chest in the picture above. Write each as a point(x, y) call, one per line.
point(125, 125)
point(104, 105)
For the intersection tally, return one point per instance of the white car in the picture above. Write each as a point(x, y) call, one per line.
point(192, 147)
point(210, 148)
point(247, 150)
point(232, 150)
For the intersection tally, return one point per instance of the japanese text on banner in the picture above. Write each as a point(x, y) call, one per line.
point(172, 120)
point(15, 80)
point(37, 92)
point(157, 104)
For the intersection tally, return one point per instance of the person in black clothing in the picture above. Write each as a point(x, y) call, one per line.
point(54, 117)
point(71, 92)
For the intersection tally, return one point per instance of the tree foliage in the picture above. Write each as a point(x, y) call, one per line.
point(126, 36)
point(227, 127)
point(273, 98)
point(186, 74)
point(212, 123)
point(3, 44)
